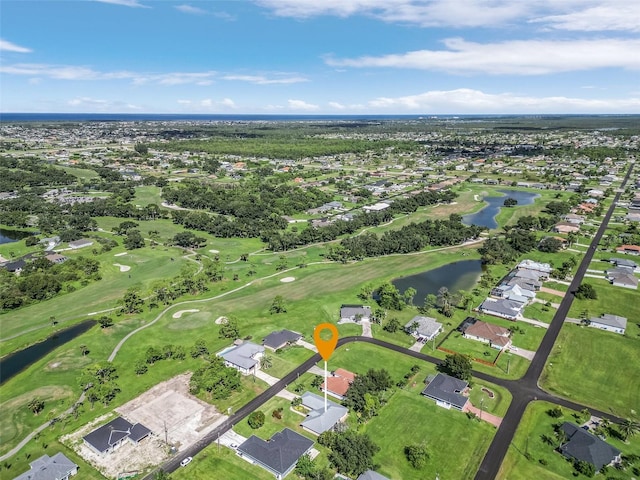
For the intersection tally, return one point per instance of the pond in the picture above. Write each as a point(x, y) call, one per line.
point(487, 216)
point(18, 361)
point(456, 276)
point(9, 236)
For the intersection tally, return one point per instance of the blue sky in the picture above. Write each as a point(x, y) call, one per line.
point(320, 56)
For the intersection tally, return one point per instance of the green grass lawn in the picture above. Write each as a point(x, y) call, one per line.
point(614, 300)
point(581, 364)
point(148, 194)
point(287, 359)
point(528, 440)
point(540, 312)
point(409, 418)
point(211, 463)
point(477, 350)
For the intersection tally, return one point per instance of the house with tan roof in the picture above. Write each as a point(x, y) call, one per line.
point(497, 337)
point(338, 383)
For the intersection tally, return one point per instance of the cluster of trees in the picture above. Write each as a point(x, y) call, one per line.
point(214, 378)
point(351, 452)
point(251, 199)
point(155, 354)
point(256, 419)
point(367, 393)
point(586, 292)
point(457, 365)
point(99, 382)
point(307, 469)
point(41, 280)
point(410, 238)
point(16, 174)
point(507, 249)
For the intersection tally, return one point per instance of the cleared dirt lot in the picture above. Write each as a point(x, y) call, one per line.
point(169, 411)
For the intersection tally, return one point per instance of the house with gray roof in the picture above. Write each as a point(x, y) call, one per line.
point(244, 357)
point(355, 313)
point(501, 308)
point(58, 467)
point(371, 475)
point(610, 323)
point(278, 455)
point(623, 263)
point(544, 269)
point(447, 391)
point(110, 436)
point(318, 420)
point(586, 447)
point(280, 339)
point(83, 242)
point(423, 328)
point(621, 277)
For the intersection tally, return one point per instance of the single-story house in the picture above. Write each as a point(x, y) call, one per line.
point(496, 336)
point(447, 391)
point(633, 217)
point(513, 292)
point(56, 258)
point(586, 447)
point(622, 278)
point(371, 475)
point(83, 242)
point(278, 455)
point(574, 218)
point(524, 283)
point(629, 249)
point(501, 308)
point(58, 467)
point(338, 383)
point(376, 207)
point(565, 227)
point(528, 274)
point(630, 265)
point(423, 328)
point(355, 313)
point(244, 357)
point(15, 267)
point(318, 420)
point(610, 323)
point(543, 268)
point(113, 434)
point(281, 339)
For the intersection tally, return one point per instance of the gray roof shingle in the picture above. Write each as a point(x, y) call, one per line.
point(585, 446)
point(280, 453)
point(447, 389)
point(49, 468)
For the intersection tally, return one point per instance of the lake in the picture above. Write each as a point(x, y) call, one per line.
point(18, 361)
point(8, 236)
point(487, 216)
point(456, 276)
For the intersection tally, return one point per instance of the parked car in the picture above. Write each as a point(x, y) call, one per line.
point(186, 461)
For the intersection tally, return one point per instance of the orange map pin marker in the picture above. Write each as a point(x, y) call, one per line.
point(325, 347)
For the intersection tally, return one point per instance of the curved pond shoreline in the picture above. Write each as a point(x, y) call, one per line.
point(486, 217)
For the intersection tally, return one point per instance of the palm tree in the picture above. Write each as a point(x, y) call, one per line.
point(628, 428)
point(444, 300)
point(266, 362)
point(83, 350)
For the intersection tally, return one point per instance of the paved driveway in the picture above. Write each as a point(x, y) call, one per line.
point(366, 328)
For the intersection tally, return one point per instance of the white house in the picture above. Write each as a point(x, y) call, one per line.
point(244, 357)
point(610, 323)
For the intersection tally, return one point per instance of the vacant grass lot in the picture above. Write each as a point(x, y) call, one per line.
point(222, 462)
point(582, 365)
point(528, 440)
point(456, 444)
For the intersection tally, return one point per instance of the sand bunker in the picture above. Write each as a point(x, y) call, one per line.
point(287, 279)
point(214, 251)
point(477, 198)
point(123, 268)
point(221, 320)
point(120, 254)
point(181, 312)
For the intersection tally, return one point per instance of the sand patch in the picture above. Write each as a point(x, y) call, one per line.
point(477, 198)
point(181, 312)
point(287, 279)
point(214, 251)
point(221, 320)
point(120, 254)
point(123, 268)
point(55, 364)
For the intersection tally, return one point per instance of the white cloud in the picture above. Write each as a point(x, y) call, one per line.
point(583, 15)
point(603, 15)
point(125, 3)
point(514, 57)
point(184, 102)
point(262, 80)
point(301, 105)
point(191, 10)
point(207, 103)
point(337, 106)
point(420, 12)
point(100, 105)
point(227, 102)
point(6, 46)
point(73, 72)
point(466, 100)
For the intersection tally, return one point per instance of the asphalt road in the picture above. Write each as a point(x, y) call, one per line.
point(523, 390)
